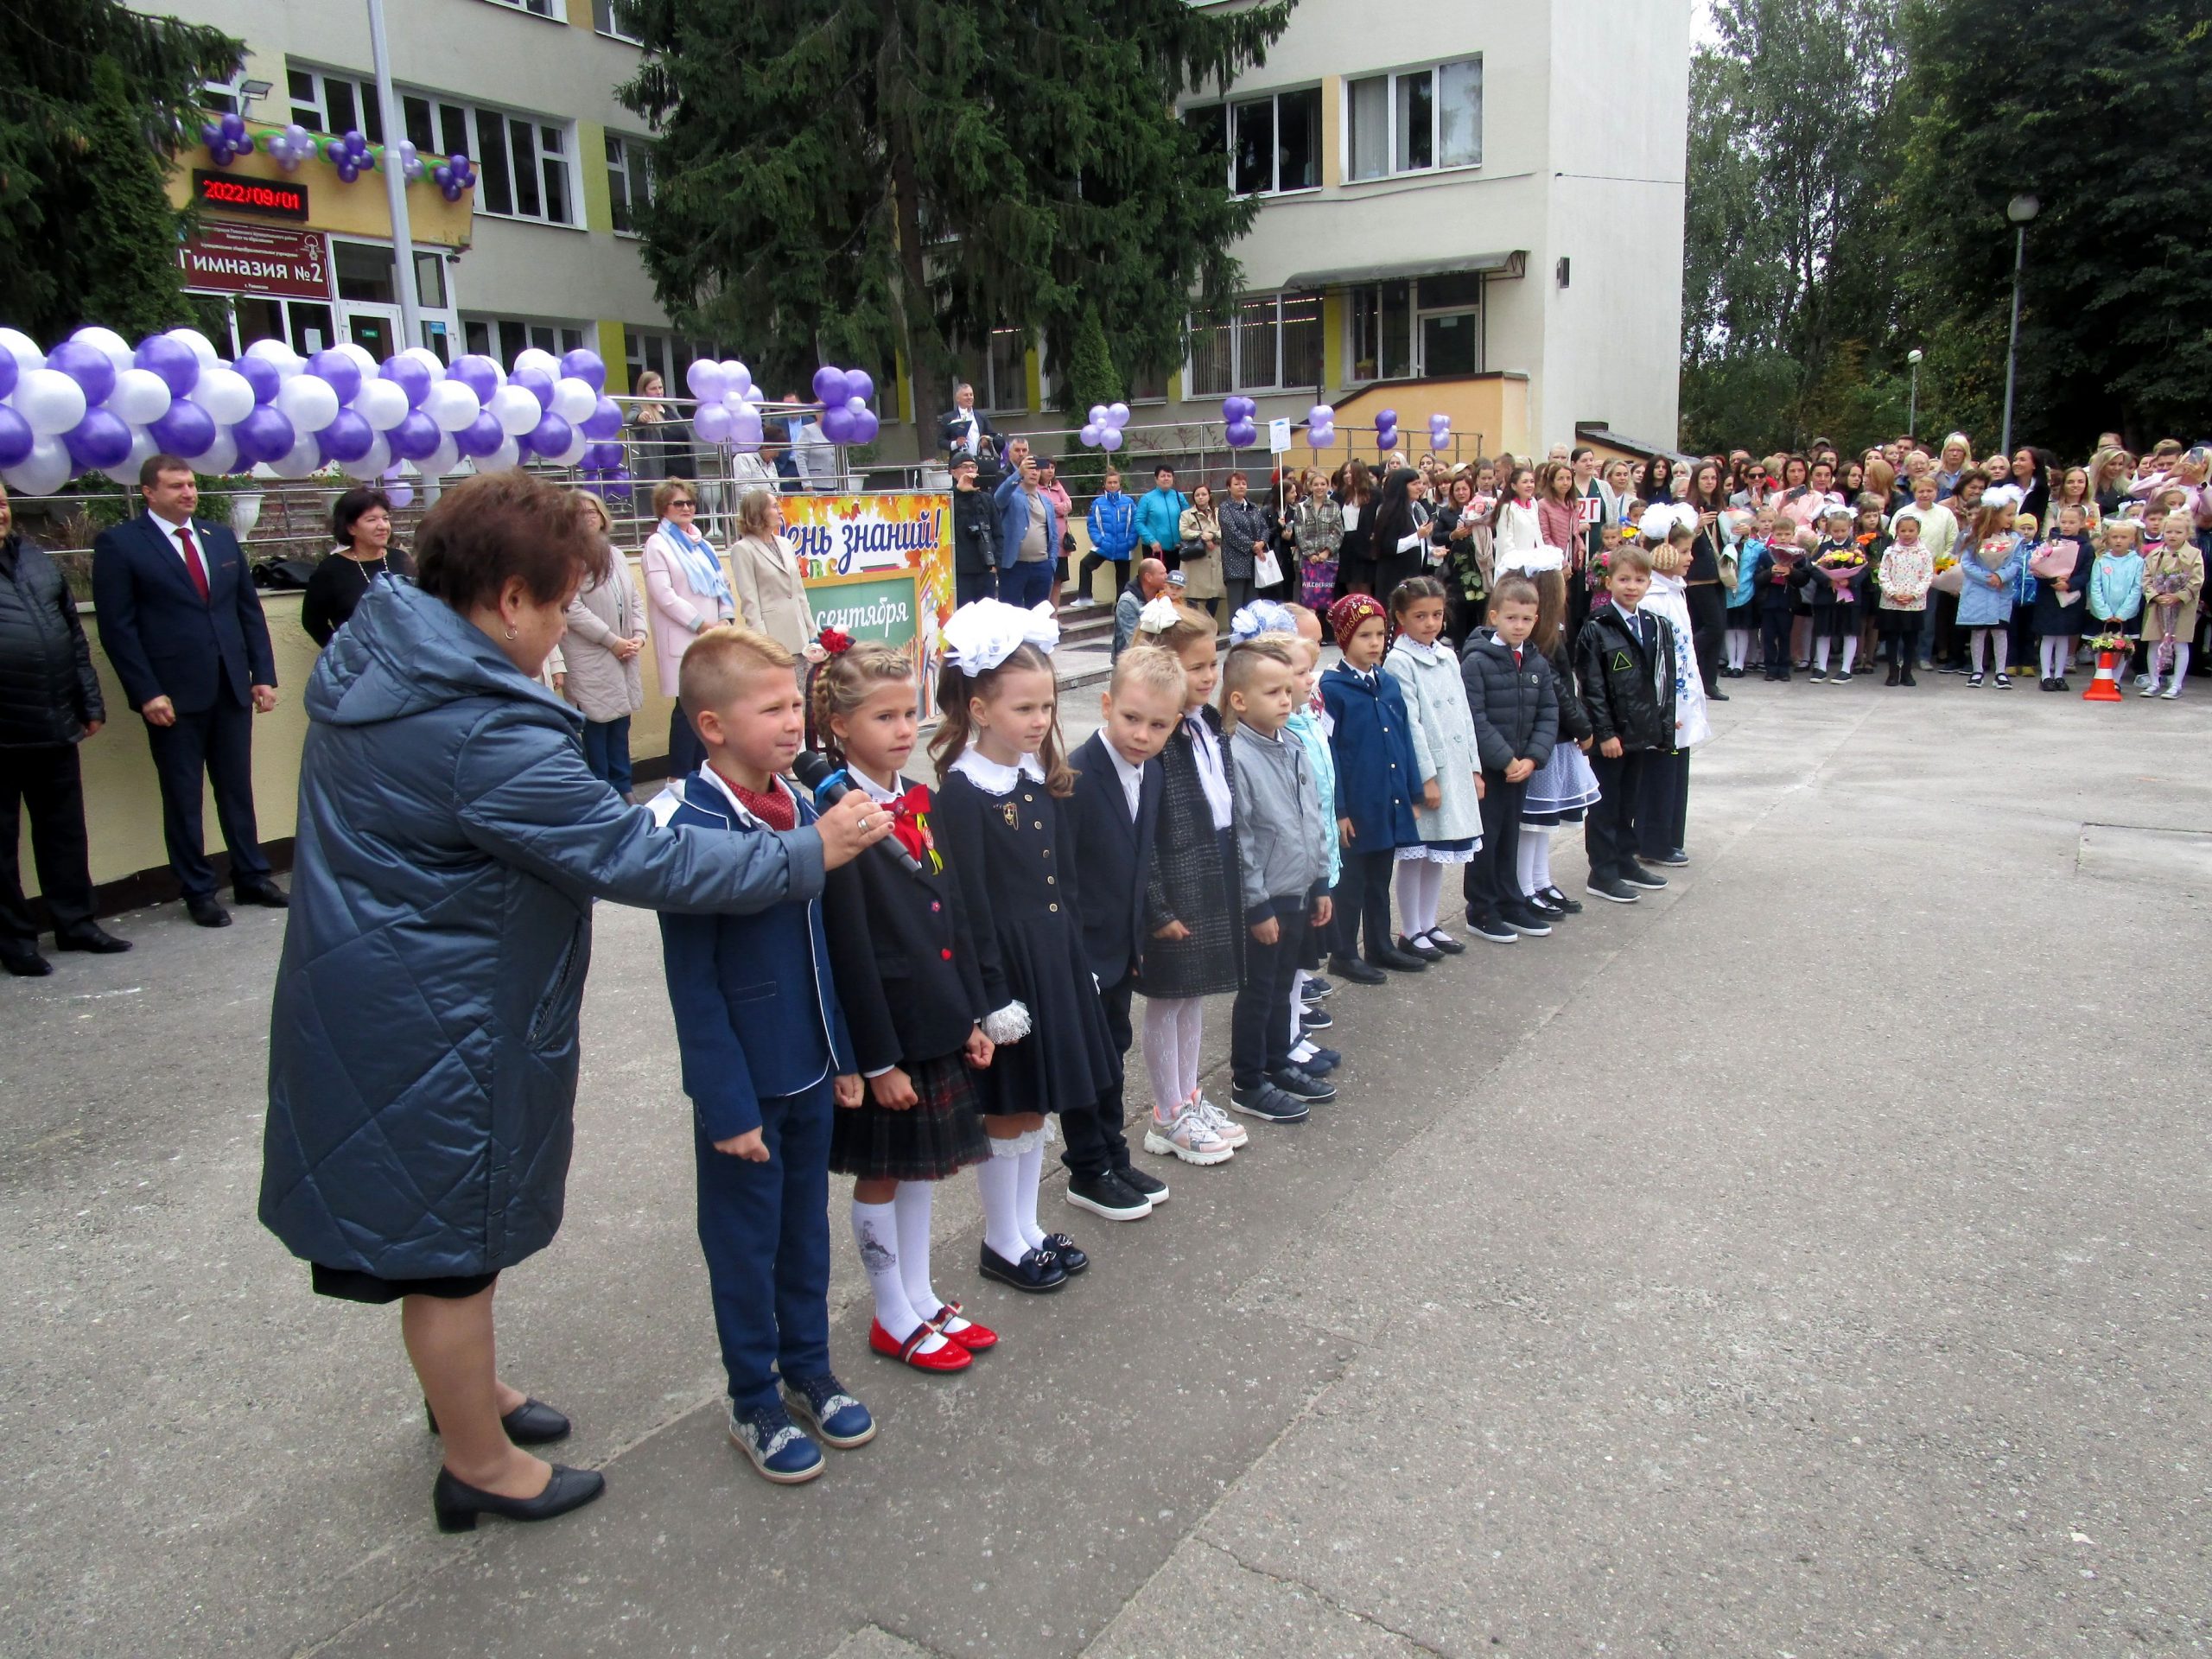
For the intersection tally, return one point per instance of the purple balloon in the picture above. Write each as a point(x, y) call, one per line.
point(101, 439)
point(605, 419)
point(479, 374)
point(551, 437)
point(837, 424)
point(232, 127)
point(831, 386)
point(264, 434)
point(866, 425)
point(7, 373)
point(450, 192)
point(348, 437)
point(89, 366)
point(16, 437)
point(603, 457)
point(412, 376)
point(414, 438)
point(481, 437)
point(261, 374)
point(859, 382)
point(538, 383)
point(186, 430)
point(343, 373)
point(172, 359)
point(586, 366)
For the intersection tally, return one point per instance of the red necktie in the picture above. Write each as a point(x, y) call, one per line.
point(192, 564)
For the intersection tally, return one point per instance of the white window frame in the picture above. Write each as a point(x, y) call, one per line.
point(632, 165)
point(363, 89)
point(1417, 312)
point(991, 396)
point(540, 8)
point(553, 335)
point(1228, 107)
point(1239, 382)
point(606, 24)
point(1391, 79)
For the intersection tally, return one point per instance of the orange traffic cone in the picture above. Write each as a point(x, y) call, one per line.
point(2105, 687)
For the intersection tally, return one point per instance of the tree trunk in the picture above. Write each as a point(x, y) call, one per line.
point(917, 328)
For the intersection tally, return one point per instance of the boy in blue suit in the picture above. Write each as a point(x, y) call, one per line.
point(765, 1052)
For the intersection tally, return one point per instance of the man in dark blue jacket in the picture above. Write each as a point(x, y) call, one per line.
point(179, 618)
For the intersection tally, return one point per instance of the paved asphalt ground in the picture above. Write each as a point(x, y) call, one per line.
point(1811, 1260)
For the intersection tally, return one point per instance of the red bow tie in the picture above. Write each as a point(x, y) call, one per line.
point(910, 826)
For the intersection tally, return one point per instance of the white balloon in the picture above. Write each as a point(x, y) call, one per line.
point(42, 471)
point(382, 404)
point(427, 359)
point(573, 399)
point(506, 457)
point(143, 449)
point(219, 456)
point(516, 409)
point(577, 444)
point(224, 393)
point(359, 356)
point(451, 406)
point(140, 396)
point(199, 344)
point(24, 350)
point(304, 459)
point(443, 458)
point(534, 358)
point(279, 357)
point(108, 343)
point(50, 402)
point(309, 401)
point(371, 464)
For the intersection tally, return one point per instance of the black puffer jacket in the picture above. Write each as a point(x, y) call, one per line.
point(48, 691)
point(1621, 683)
point(1516, 709)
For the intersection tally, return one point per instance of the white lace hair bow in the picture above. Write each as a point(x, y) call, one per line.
point(2004, 495)
point(1160, 613)
point(1260, 616)
point(1661, 517)
point(1536, 561)
point(983, 633)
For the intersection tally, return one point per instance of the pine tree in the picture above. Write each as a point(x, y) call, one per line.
point(843, 180)
point(94, 101)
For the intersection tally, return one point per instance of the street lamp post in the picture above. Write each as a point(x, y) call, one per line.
point(394, 184)
point(1912, 408)
point(2020, 210)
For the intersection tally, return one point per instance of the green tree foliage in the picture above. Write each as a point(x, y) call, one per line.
point(842, 180)
point(2099, 108)
point(95, 101)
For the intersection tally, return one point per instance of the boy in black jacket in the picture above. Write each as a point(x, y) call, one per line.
point(1626, 658)
point(1516, 709)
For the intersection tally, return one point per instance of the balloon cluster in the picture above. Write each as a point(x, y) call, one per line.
point(96, 404)
point(452, 175)
point(730, 410)
point(352, 155)
point(349, 154)
point(1101, 427)
point(1440, 430)
point(1242, 414)
point(844, 395)
point(1321, 426)
point(1386, 430)
point(226, 139)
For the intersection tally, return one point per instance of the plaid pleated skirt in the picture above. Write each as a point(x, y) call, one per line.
point(941, 1133)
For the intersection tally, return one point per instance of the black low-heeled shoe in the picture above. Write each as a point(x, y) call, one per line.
point(1063, 1250)
point(457, 1504)
point(531, 1423)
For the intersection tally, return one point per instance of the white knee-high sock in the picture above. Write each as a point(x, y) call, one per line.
point(913, 1202)
point(1542, 840)
point(1429, 884)
point(1031, 1165)
point(1163, 1053)
point(1296, 1011)
point(999, 1177)
point(1524, 858)
point(875, 1234)
point(1191, 1034)
point(2181, 665)
point(1850, 653)
point(1416, 912)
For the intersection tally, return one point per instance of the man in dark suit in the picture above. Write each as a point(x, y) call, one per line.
point(966, 430)
point(179, 618)
point(1113, 813)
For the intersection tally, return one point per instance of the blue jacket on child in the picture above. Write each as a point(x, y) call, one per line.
point(757, 1015)
point(1373, 744)
point(1981, 605)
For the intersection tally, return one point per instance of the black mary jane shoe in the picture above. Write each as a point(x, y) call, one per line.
point(457, 1504)
point(1063, 1250)
point(1036, 1273)
point(531, 1423)
point(1438, 940)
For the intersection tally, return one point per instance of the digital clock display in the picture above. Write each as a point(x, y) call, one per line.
point(236, 195)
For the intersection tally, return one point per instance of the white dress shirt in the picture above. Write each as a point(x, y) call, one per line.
point(177, 547)
point(1132, 780)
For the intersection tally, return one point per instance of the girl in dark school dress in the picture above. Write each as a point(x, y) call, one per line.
point(998, 824)
point(908, 975)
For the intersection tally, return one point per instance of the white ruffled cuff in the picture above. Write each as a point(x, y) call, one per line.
point(1007, 1025)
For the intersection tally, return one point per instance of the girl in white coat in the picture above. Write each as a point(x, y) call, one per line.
point(1449, 813)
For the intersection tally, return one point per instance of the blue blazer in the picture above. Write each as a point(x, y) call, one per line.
point(756, 1006)
point(1115, 853)
point(1014, 521)
point(164, 640)
point(1377, 773)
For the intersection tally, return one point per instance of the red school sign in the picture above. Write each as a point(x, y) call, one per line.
point(229, 258)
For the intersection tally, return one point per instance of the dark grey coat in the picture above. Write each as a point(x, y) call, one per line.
point(49, 690)
point(1516, 709)
point(1240, 526)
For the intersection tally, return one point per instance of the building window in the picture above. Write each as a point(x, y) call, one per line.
point(506, 338)
point(617, 19)
point(1147, 386)
point(334, 104)
point(535, 8)
point(1003, 387)
point(1270, 341)
point(629, 180)
point(1382, 332)
point(1415, 121)
point(1268, 145)
point(1429, 327)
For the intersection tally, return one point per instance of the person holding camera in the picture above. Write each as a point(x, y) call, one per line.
point(974, 535)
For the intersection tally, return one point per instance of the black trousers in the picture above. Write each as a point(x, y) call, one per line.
point(46, 779)
point(1364, 900)
point(969, 586)
point(1493, 878)
point(1259, 1023)
point(1090, 562)
point(215, 745)
point(1709, 622)
point(686, 753)
point(1096, 1143)
point(1774, 640)
point(1609, 827)
point(1662, 802)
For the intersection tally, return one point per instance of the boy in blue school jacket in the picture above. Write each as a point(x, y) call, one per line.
point(765, 1052)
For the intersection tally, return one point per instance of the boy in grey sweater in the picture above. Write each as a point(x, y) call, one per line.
point(1283, 853)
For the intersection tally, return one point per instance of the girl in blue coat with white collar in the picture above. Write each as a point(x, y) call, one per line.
point(1993, 564)
point(1377, 776)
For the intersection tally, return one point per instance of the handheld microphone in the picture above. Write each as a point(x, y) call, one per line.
point(829, 785)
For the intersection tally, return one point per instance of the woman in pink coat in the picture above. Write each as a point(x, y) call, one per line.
point(687, 591)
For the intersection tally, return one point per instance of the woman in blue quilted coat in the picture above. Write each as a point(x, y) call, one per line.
point(423, 1044)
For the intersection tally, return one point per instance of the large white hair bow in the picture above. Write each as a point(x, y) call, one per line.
point(1160, 613)
point(1260, 616)
point(1535, 561)
point(1661, 517)
point(980, 635)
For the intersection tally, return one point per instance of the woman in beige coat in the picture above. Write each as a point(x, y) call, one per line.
point(602, 657)
point(765, 571)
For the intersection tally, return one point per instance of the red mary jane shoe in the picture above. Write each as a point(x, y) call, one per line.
point(975, 1339)
point(951, 1358)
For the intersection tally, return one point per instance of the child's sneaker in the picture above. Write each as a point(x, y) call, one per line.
point(1820, 676)
point(1269, 1103)
point(1226, 1130)
point(778, 1447)
point(2004, 681)
point(1843, 676)
point(1489, 928)
point(1315, 1018)
point(1974, 680)
point(1316, 987)
point(838, 1418)
point(2150, 687)
point(1188, 1138)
